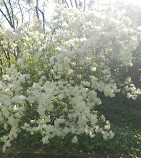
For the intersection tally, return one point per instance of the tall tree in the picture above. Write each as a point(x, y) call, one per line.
point(19, 11)
point(13, 11)
point(7, 10)
point(76, 3)
point(38, 10)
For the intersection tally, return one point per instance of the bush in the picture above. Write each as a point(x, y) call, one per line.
point(50, 83)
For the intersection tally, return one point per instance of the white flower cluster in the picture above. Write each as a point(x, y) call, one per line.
point(132, 91)
point(53, 85)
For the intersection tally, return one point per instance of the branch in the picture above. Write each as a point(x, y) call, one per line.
point(20, 10)
point(36, 8)
point(71, 3)
point(5, 16)
point(80, 3)
point(43, 19)
point(67, 3)
point(84, 5)
point(1, 69)
point(10, 20)
point(76, 3)
point(37, 14)
point(58, 2)
point(12, 12)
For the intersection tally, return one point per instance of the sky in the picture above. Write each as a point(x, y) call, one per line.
point(132, 2)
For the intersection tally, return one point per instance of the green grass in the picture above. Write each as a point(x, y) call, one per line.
point(125, 118)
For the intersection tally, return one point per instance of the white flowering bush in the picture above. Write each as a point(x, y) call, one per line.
point(50, 83)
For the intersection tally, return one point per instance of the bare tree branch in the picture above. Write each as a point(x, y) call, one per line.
point(71, 3)
point(76, 3)
point(36, 8)
point(80, 3)
point(58, 1)
point(66, 3)
point(43, 19)
point(84, 5)
point(10, 20)
point(5, 16)
point(21, 11)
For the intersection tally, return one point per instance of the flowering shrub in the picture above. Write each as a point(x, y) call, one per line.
point(52, 82)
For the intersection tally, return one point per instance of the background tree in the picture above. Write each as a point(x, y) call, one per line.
point(84, 4)
point(16, 11)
